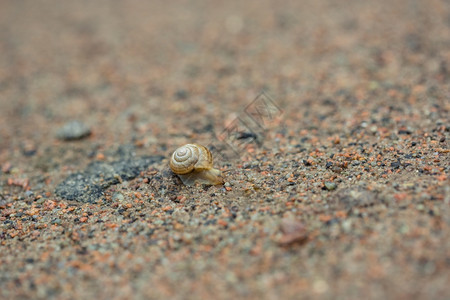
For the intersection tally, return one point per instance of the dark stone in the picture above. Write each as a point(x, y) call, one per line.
point(210, 222)
point(88, 186)
point(29, 152)
point(181, 94)
point(404, 131)
point(395, 165)
point(246, 135)
point(332, 222)
point(328, 102)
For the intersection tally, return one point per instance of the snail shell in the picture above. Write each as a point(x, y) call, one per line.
point(194, 163)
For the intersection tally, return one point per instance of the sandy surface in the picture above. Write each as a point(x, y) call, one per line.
point(341, 192)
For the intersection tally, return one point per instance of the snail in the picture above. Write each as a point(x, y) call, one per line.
point(194, 163)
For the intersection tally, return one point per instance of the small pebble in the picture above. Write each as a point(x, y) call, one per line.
point(73, 130)
point(330, 185)
point(118, 197)
point(40, 200)
point(6, 167)
point(293, 231)
point(29, 148)
point(347, 225)
point(181, 94)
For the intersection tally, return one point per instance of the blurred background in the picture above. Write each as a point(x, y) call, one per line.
point(175, 67)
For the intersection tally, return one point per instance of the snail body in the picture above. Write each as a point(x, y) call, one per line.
point(193, 163)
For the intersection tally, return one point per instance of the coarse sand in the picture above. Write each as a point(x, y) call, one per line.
point(329, 120)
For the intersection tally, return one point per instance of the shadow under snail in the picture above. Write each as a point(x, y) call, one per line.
point(193, 163)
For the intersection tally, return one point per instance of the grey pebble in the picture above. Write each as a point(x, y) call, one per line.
point(330, 185)
point(40, 200)
point(73, 130)
point(118, 197)
point(420, 207)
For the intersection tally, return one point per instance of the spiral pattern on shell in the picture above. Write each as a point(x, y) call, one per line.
point(190, 158)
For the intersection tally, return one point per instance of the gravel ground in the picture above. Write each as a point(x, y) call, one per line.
point(337, 175)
